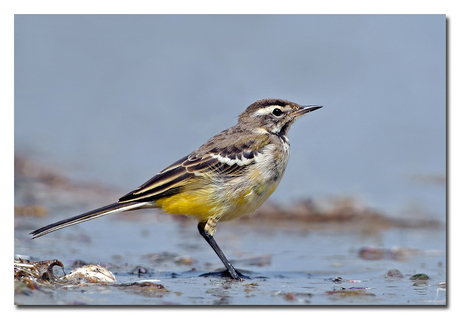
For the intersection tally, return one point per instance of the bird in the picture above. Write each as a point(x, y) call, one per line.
point(228, 177)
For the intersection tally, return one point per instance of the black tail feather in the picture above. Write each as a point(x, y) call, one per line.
point(106, 210)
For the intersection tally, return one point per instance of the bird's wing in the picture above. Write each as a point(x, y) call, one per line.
point(207, 161)
point(167, 182)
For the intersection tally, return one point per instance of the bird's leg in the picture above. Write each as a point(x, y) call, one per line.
point(207, 230)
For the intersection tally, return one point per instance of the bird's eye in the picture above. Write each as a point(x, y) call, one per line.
point(277, 112)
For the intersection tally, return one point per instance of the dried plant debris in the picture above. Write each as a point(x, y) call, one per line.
point(41, 274)
point(37, 273)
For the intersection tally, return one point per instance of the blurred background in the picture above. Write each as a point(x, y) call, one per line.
point(113, 99)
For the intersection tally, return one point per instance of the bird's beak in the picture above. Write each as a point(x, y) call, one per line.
point(306, 109)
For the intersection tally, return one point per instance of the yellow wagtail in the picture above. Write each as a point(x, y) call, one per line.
point(228, 177)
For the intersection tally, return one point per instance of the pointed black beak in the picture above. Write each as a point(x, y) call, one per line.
point(306, 109)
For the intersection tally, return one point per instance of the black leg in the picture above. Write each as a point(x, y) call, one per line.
point(231, 271)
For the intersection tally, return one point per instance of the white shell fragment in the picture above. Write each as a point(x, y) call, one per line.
point(91, 273)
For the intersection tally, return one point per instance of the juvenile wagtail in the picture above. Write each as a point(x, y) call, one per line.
point(226, 178)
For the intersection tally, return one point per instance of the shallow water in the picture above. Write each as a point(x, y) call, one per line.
point(288, 265)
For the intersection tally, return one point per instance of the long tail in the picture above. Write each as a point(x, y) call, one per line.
point(106, 210)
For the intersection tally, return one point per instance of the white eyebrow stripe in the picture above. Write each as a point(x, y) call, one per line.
point(268, 110)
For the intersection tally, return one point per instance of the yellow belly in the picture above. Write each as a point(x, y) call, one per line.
point(226, 201)
point(196, 204)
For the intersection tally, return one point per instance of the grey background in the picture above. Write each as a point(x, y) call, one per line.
point(115, 98)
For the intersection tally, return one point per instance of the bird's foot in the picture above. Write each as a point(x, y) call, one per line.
point(226, 274)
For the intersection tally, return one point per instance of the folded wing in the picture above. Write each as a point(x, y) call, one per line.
point(206, 162)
